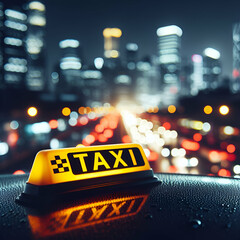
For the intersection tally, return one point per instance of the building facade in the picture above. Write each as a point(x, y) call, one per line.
point(36, 46)
point(169, 46)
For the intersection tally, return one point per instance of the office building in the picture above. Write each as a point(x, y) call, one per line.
point(211, 68)
point(2, 82)
point(70, 66)
point(95, 90)
point(35, 46)
point(197, 76)
point(111, 46)
point(235, 85)
point(131, 55)
point(169, 46)
point(13, 54)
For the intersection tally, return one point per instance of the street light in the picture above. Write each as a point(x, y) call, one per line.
point(32, 111)
point(224, 110)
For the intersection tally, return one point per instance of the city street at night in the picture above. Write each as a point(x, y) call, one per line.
point(119, 119)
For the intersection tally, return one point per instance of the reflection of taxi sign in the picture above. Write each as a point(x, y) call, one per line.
point(74, 169)
point(85, 215)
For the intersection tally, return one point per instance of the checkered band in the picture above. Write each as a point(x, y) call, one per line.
point(60, 164)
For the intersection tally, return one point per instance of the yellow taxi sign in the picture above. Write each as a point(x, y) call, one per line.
point(73, 169)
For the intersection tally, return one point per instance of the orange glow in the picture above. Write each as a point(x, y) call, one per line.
point(217, 156)
point(156, 109)
point(113, 124)
point(190, 145)
point(173, 169)
point(108, 133)
point(236, 132)
point(231, 148)
point(126, 139)
point(197, 137)
point(83, 120)
point(81, 110)
point(66, 111)
point(208, 109)
point(171, 109)
point(89, 214)
point(88, 110)
point(99, 128)
point(46, 169)
point(53, 124)
point(85, 143)
point(153, 156)
point(90, 139)
point(102, 138)
point(104, 122)
point(167, 125)
point(150, 110)
point(224, 173)
point(12, 139)
point(19, 172)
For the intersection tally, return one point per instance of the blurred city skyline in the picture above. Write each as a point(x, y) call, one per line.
point(204, 24)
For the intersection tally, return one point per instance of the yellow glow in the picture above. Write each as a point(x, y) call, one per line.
point(119, 160)
point(224, 110)
point(112, 32)
point(114, 54)
point(80, 145)
point(86, 215)
point(32, 111)
point(116, 32)
point(156, 109)
point(66, 111)
point(171, 109)
point(208, 109)
point(35, 5)
point(37, 20)
point(197, 125)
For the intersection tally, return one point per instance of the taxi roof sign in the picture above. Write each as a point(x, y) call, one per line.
point(65, 170)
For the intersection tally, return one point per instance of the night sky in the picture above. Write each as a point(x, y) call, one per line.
point(204, 24)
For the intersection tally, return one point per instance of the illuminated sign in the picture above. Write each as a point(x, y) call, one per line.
point(73, 169)
point(86, 215)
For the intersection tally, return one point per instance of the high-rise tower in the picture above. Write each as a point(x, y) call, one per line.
point(197, 75)
point(70, 65)
point(35, 46)
point(211, 68)
point(111, 46)
point(13, 31)
point(169, 46)
point(235, 86)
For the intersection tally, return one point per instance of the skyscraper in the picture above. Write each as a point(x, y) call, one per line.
point(2, 82)
point(169, 46)
point(35, 46)
point(235, 86)
point(111, 46)
point(70, 65)
point(197, 75)
point(131, 55)
point(13, 31)
point(211, 68)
